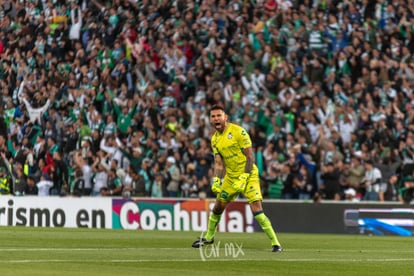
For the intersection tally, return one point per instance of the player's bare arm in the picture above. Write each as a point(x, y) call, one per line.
point(219, 168)
point(248, 152)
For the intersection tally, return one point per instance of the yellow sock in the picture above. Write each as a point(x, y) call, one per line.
point(213, 220)
point(266, 225)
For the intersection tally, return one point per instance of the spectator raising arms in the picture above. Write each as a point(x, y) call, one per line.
point(136, 79)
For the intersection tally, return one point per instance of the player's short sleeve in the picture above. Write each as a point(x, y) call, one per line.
point(244, 139)
point(214, 146)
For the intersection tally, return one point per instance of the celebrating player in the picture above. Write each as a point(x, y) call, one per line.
point(234, 173)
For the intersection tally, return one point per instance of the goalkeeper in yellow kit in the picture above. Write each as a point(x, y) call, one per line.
point(234, 173)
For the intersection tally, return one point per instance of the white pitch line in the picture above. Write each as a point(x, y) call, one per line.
point(94, 249)
point(346, 250)
point(192, 249)
point(210, 260)
point(86, 249)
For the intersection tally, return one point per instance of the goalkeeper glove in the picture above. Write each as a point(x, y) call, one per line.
point(216, 185)
point(240, 184)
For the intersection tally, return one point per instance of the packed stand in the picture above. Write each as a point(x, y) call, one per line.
point(112, 98)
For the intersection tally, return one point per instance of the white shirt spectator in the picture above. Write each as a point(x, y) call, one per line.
point(113, 151)
point(87, 175)
point(43, 187)
point(254, 83)
point(346, 127)
point(284, 98)
point(101, 181)
point(35, 114)
point(313, 130)
point(75, 28)
point(372, 178)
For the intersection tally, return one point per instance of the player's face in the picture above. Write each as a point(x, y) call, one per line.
point(218, 119)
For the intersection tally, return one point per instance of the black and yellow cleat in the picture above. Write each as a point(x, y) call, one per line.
point(201, 242)
point(277, 249)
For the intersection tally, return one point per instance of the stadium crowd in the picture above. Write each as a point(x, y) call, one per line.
point(112, 98)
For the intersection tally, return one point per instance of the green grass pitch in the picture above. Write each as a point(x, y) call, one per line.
point(52, 251)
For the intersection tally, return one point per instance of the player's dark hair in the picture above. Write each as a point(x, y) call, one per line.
point(217, 107)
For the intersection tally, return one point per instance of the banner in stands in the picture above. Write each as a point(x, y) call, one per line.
point(367, 218)
point(55, 212)
point(192, 215)
point(178, 215)
point(380, 221)
point(139, 214)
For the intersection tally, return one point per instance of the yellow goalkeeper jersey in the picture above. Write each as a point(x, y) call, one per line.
point(229, 145)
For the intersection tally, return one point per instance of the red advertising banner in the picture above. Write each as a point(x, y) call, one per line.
point(178, 215)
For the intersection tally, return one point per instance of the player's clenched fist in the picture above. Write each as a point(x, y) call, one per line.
point(240, 184)
point(216, 185)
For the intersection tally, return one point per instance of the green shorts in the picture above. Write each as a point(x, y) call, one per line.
point(252, 192)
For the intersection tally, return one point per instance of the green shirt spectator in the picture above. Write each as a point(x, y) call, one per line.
point(124, 117)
